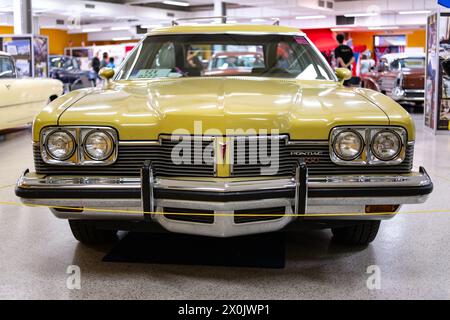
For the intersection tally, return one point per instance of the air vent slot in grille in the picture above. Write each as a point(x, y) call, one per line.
point(257, 215)
point(198, 216)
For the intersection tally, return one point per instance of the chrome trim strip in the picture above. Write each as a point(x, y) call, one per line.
point(139, 143)
point(33, 181)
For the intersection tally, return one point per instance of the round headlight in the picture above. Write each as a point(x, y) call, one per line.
point(386, 145)
point(348, 145)
point(60, 145)
point(98, 145)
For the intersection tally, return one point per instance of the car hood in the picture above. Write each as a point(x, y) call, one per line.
point(303, 109)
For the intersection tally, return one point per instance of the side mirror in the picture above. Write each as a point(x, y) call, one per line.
point(343, 74)
point(446, 66)
point(106, 73)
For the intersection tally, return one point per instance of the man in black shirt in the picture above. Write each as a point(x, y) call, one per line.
point(343, 54)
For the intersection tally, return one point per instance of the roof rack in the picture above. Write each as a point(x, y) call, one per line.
point(175, 22)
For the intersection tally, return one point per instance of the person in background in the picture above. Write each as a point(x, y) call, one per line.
point(366, 64)
point(344, 55)
point(95, 64)
point(111, 63)
point(105, 61)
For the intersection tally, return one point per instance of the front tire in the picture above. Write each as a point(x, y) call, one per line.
point(361, 234)
point(88, 233)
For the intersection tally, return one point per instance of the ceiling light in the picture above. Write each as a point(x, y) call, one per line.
point(176, 3)
point(121, 39)
point(415, 12)
point(366, 14)
point(150, 26)
point(340, 29)
point(120, 28)
point(383, 28)
point(310, 17)
point(87, 30)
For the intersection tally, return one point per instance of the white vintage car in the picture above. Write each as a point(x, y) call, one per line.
point(22, 99)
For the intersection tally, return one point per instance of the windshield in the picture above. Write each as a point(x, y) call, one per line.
point(412, 63)
point(206, 55)
point(6, 68)
point(63, 63)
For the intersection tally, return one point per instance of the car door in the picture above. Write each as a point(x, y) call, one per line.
point(21, 99)
point(10, 101)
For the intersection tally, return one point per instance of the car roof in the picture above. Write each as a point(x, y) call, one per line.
point(226, 28)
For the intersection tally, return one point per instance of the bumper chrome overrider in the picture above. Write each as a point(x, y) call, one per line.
point(120, 198)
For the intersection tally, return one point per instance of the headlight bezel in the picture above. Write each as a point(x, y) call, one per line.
point(360, 151)
point(86, 155)
point(50, 155)
point(372, 143)
point(367, 156)
point(79, 156)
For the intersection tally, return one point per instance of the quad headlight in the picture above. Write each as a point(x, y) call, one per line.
point(386, 145)
point(79, 145)
point(348, 145)
point(358, 146)
point(98, 145)
point(60, 145)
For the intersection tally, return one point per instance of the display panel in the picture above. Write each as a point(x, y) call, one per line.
point(20, 49)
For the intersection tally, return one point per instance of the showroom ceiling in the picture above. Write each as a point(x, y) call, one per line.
point(91, 17)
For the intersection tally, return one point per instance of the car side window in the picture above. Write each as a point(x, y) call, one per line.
point(395, 65)
point(7, 68)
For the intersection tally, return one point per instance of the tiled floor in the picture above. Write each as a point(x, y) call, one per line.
point(412, 251)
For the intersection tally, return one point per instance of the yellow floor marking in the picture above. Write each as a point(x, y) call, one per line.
point(315, 215)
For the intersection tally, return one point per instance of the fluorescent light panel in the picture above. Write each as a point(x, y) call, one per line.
point(121, 39)
point(120, 28)
point(366, 14)
point(87, 30)
point(384, 28)
point(310, 17)
point(414, 12)
point(177, 3)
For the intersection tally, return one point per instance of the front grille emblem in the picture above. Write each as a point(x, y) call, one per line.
point(223, 150)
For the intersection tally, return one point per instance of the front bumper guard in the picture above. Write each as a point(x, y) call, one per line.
point(125, 198)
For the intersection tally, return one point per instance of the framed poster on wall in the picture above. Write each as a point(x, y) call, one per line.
point(431, 71)
point(20, 49)
point(29, 52)
point(437, 85)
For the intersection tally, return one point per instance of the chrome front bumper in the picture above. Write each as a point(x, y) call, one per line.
point(120, 198)
point(408, 95)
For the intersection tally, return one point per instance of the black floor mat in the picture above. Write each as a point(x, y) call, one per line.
point(257, 251)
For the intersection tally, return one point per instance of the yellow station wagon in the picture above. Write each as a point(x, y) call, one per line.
point(276, 142)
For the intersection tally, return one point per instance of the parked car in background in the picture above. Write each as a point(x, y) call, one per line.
point(22, 99)
point(234, 63)
point(401, 76)
point(224, 156)
point(67, 69)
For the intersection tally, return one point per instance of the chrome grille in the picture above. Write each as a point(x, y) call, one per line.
point(131, 158)
point(130, 161)
point(315, 154)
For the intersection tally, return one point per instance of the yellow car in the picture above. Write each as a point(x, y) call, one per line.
point(22, 99)
point(165, 144)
